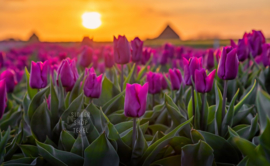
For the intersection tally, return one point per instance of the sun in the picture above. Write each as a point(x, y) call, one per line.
point(91, 20)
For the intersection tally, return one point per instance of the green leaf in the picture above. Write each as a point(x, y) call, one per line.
point(31, 92)
point(40, 123)
point(127, 80)
point(241, 114)
point(75, 92)
point(106, 107)
point(97, 117)
point(197, 154)
point(67, 140)
point(178, 142)
point(143, 70)
point(54, 105)
point(263, 105)
point(101, 153)
point(12, 121)
point(3, 142)
point(218, 113)
point(264, 140)
point(58, 157)
point(169, 161)
point(29, 150)
point(196, 136)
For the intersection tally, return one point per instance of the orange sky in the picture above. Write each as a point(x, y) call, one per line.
point(60, 20)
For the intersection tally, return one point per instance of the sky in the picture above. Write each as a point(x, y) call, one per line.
point(60, 20)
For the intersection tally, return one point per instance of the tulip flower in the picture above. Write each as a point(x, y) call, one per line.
point(146, 55)
point(242, 49)
point(39, 75)
point(135, 100)
point(121, 50)
point(1, 59)
point(95, 62)
point(255, 41)
point(164, 57)
point(179, 52)
point(10, 79)
point(93, 84)
point(204, 83)
point(210, 61)
point(176, 78)
point(228, 65)
point(85, 58)
point(190, 67)
point(68, 73)
point(108, 59)
point(233, 44)
point(217, 55)
point(3, 97)
point(154, 82)
point(265, 55)
point(137, 49)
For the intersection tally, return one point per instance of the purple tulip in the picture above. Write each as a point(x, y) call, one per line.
point(190, 67)
point(39, 75)
point(10, 79)
point(210, 61)
point(146, 55)
point(265, 54)
point(135, 100)
point(164, 57)
point(137, 49)
point(3, 97)
point(164, 84)
point(242, 49)
point(176, 78)
point(68, 73)
point(154, 82)
point(217, 55)
point(233, 44)
point(85, 58)
point(121, 50)
point(2, 59)
point(228, 64)
point(179, 52)
point(204, 83)
point(108, 59)
point(255, 41)
point(93, 84)
point(170, 48)
point(95, 62)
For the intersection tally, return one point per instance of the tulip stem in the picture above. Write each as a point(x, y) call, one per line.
point(193, 102)
point(254, 63)
point(134, 132)
point(122, 77)
point(224, 98)
point(153, 100)
point(202, 113)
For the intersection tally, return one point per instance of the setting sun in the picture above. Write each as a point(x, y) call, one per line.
point(91, 20)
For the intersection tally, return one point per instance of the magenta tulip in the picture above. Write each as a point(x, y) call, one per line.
point(228, 65)
point(255, 41)
point(176, 78)
point(68, 73)
point(242, 49)
point(146, 55)
point(135, 100)
point(164, 83)
point(170, 48)
point(10, 79)
point(108, 59)
point(154, 82)
point(122, 50)
point(137, 49)
point(190, 67)
point(39, 75)
point(93, 84)
point(204, 83)
point(210, 61)
point(85, 58)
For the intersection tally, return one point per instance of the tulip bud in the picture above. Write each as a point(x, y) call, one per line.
point(242, 49)
point(39, 75)
point(210, 61)
point(108, 59)
point(164, 57)
point(1, 59)
point(135, 100)
point(137, 48)
point(85, 58)
point(179, 52)
point(3, 97)
point(217, 55)
point(265, 54)
point(95, 62)
point(154, 82)
point(10, 79)
point(164, 84)
point(170, 48)
point(176, 78)
point(93, 84)
point(121, 50)
point(204, 83)
point(68, 73)
point(233, 44)
point(228, 64)
point(146, 55)
point(190, 67)
point(255, 41)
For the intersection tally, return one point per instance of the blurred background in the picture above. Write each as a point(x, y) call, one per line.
point(181, 22)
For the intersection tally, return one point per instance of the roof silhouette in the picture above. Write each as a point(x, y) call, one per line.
point(168, 33)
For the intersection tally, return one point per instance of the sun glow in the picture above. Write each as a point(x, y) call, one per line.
point(91, 20)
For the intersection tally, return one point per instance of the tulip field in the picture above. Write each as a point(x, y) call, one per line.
point(127, 104)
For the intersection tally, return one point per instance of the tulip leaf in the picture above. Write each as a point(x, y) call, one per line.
point(218, 111)
point(29, 150)
point(130, 74)
point(249, 131)
point(12, 120)
point(153, 149)
point(197, 154)
point(241, 114)
point(196, 136)
point(168, 161)
point(243, 100)
point(264, 140)
point(31, 92)
point(106, 107)
point(41, 120)
point(58, 157)
point(178, 142)
point(101, 152)
point(97, 117)
point(36, 102)
point(143, 69)
point(67, 140)
point(151, 115)
point(54, 103)
point(263, 105)
point(168, 81)
point(3, 141)
point(75, 92)
point(66, 103)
